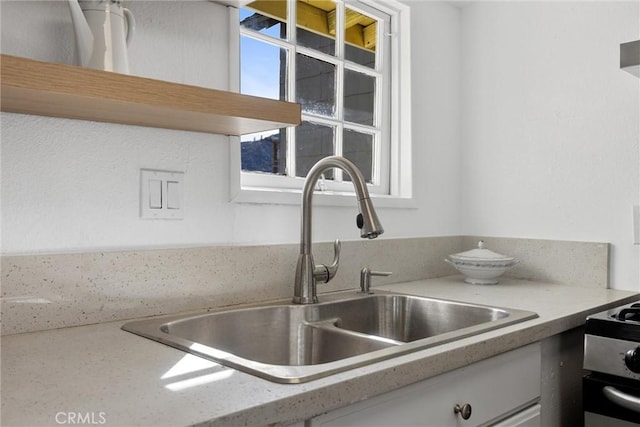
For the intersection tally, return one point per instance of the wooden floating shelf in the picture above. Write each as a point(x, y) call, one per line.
point(58, 90)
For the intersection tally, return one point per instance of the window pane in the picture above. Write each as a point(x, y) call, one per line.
point(313, 142)
point(361, 35)
point(315, 85)
point(359, 92)
point(274, 24)
point(263, 69)
point(358, 147)
point(316, 41)
point(264, 152)
point(360, 56)
point(316, 25)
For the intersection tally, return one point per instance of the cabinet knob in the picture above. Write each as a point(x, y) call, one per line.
point(464, 411)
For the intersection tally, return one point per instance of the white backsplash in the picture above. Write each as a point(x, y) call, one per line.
point(573, 263)
point(60, 290)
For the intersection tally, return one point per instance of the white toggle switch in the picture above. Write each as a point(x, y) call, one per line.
point(161, 194)
point(155, 194)
point(173, 195)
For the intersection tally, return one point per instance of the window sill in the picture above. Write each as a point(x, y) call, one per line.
point(254, 195)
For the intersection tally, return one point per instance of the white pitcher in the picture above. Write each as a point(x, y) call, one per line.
point(103, 30)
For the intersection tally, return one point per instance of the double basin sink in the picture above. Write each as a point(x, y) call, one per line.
point(291, 343)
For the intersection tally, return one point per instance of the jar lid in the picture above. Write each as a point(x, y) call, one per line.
point(481, 253)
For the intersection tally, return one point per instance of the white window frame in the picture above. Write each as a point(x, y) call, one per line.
point(243, 186)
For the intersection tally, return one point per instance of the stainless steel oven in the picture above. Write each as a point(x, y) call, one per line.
point(611, 392)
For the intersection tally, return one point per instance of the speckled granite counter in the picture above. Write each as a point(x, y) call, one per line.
point(120, 379)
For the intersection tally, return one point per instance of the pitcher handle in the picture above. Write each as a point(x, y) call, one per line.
point(131, 24)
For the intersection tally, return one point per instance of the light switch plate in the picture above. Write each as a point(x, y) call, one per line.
point(161, 194)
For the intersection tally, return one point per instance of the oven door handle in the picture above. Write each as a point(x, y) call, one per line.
point(622, 399)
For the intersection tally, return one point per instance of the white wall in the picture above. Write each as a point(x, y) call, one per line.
point(73, 186)
point(531, 92)
point(551, 125)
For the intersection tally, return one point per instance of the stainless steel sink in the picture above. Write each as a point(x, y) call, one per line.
point(292, 343)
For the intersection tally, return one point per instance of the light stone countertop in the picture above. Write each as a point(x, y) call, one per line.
point(121, 379)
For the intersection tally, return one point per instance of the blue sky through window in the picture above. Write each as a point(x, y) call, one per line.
point(260, 63)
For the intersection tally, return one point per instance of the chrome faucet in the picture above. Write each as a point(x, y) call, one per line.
point(307, 273)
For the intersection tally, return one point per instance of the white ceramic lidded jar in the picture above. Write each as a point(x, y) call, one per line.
point(481, 266)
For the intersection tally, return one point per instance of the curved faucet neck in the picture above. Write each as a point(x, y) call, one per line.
point(313, 176)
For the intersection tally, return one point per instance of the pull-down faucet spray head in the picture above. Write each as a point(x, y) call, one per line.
point(367, 220)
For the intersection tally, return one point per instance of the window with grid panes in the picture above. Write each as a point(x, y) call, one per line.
point(334, 61)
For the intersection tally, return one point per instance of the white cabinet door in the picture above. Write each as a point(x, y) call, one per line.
point(493, 387)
